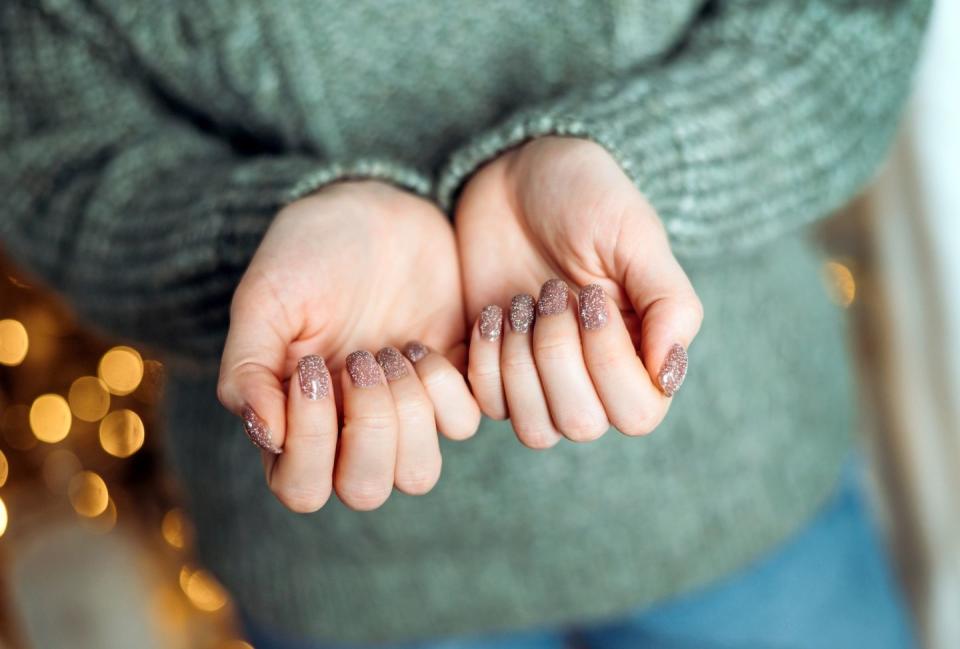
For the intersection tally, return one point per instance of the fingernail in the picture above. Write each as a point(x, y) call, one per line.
point(314, 377)
point(521, 313)
point(673, 371)
point(257, 430)
point(491, 322)
point(593, 307)
point(391, 360)
point(363, 369)
point(553, 298)
point(415, 351)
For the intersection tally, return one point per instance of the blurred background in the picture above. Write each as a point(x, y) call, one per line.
point(95, 551)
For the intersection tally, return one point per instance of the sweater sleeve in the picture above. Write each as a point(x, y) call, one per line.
point(141, 214)
point(769, 115)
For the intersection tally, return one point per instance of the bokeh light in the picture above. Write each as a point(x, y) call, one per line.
point(121, 368)
point(235, 644)
point(121, 433)
point(175, 528)
point(59, 466)
point(50, 418)
point(4, 469)
point(107, 519)
point(89, 398)
point(88, 494)
point(14, 342)
point(3, 517)
point(840, 283)
point(202, 589)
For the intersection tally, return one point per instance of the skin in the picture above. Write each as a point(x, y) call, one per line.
point(563, 208)
point(355, 266)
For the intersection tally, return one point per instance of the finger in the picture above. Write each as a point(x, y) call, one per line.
point(661, 293)
point(575, 408)
point(483, 370)
point(418, 449)
point(250, 370)
point(632, 402)
point(456, 411)
point(526, 401)
point(302, 477)
point(364, 473)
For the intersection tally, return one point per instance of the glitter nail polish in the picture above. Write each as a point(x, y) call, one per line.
point(415, 351)
point(521, 313)
point(257, 430)
point(491, 322)
point(553, 298)
point(391, 360)
point(593, 307)
point(363, 369)
point(674, 370)
point(314, 377)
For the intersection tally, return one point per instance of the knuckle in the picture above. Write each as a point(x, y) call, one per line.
point(418, 480)
point(518, 364)
point(379, 423)
point(535, 436)
point(483, 375)
point(301, 499)
point(640, 422)
point(363, 495)
point(556, 347)
point(581, 428)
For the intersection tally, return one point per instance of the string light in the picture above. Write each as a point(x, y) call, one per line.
point(3, 517)
point(89, 398)
point(50, 418)
point(202, 589)
point(121, 433)
point(174, 528)
point(14, 342)
point(4, 469)
point(121, 368)
point(88, 494)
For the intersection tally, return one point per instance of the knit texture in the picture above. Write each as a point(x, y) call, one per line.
point(145, 147)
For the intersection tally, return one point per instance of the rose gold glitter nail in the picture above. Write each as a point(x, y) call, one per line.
point(521, 313)
point(257, 430)
point(553, 298)
point(391, 360)
point(363, 369)
point(314, 377)
point(593, 307)
point(491, 322)
point(674, 370)
point(415, 351)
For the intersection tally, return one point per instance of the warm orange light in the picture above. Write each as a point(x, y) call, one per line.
point(4, 469)
point(235, 644)
point(89, 398)
point(88, 494)
point(50, 418)
point(14, 342)
point(840, 283)
point(174, 528)
point(3, 517)
point(121, 368)
point(121, 433)
point(202, 589)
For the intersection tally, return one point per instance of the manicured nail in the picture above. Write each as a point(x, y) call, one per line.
point(415, 351)
point(491, 322)
point(363, 369)
point(673, 371)
point(391, 360)
point(521, 313)
point(257, 430)
point(553, 298)
point(593, 307)
point(314, 377)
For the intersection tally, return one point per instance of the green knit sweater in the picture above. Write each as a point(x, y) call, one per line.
point(145, 147)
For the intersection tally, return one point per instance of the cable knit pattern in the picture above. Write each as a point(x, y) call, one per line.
point(146, 145)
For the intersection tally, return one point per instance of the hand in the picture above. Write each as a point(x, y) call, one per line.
point(352, 267)
point(563, 208)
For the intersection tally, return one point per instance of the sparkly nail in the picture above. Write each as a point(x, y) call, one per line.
point(521, 313)
point(415, 351)
point(363, 369)
point(553, 298)
point(491, 322)
point(391, 360)
point(257, 430)
point(593, 307)
point(314, 377)
point(673, 371)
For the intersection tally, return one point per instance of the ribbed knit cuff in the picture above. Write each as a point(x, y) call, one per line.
point(384, 170)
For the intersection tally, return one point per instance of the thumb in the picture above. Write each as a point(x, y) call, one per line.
point(663, 297)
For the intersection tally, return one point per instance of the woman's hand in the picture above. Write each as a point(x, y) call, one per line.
point(561, 210)
point(339, 274)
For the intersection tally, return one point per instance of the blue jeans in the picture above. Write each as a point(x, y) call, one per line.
point(828, 587)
